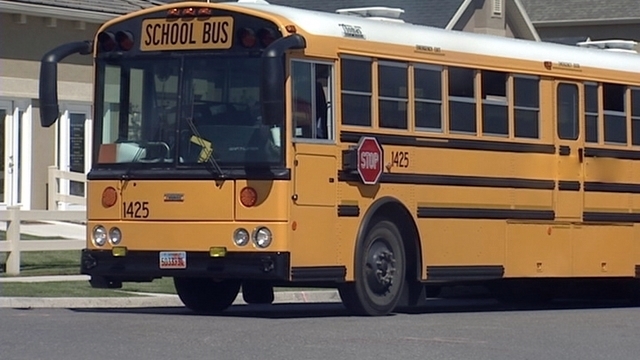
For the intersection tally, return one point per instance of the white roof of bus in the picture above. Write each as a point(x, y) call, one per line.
point(322, 23)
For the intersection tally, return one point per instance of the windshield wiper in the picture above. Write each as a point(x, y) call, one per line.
point(209, 151)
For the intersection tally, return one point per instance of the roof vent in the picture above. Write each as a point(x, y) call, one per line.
point(375, 13)
point(627, 46)
point(252, 1)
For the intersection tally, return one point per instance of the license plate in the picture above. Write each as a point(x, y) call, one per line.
point(173, 260)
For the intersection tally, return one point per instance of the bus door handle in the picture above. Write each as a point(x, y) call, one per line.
point(580, 154)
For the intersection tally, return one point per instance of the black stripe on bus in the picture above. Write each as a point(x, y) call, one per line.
point(612, 187)
point(566, 185)
point(494, 214)
point(612, 153)
point(614, 217)
point(474, 272)
point(349, 210)
point(318, 273)
point(638, 271)
point(455, 180)
point(189, 174)
point(461, 144)
point(564, 150)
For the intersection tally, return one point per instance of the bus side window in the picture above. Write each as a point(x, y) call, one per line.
point(311, 94)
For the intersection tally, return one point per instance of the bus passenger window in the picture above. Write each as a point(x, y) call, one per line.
point(567, 117)
point(615, 119)
point(428, 93)
point(526, 92)
point(311, 89)
point(635, 116)
point(494, 103)
point(356, 91)
point(462, 103)
point(393, 98)
point(591, 112)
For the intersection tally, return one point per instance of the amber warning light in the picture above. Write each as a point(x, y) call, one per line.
point(109, 197)
point(248, 196)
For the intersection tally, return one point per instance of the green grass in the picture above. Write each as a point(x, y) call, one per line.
point(36, 263)
point(56, 289)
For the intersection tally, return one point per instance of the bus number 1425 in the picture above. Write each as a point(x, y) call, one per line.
point(136, 209)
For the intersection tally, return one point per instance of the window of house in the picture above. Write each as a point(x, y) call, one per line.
point(615, 119)
point(428, 98)
point(356, 91)
point(495, 119)
point(635, 116)
point(392, 94)
point(462, 103)
point(526, 91)
point(567, 117)
point(312, 89)
point(591, 112)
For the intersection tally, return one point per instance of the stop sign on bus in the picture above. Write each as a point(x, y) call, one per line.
point(370, 160)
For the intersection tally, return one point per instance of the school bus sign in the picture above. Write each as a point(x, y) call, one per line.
point(187, 34)
point(370, 158)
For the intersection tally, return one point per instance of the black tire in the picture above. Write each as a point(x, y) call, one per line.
point(379, 272)
point(257, 292)
point(204, 295)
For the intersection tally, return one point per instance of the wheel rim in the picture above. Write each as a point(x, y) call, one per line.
point(380, 268)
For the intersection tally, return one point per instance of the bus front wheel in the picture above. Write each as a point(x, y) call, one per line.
point(204, 295)
point(379, 272)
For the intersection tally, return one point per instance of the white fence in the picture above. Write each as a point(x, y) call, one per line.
point(13, 216)
point(59, 182)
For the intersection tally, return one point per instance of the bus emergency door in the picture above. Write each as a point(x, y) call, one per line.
point(568, 114)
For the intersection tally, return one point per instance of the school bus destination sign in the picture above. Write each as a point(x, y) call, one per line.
point(187, 33)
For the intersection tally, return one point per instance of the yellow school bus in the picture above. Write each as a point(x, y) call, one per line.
point(248, 145)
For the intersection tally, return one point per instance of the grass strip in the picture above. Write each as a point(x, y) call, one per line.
point(82, 289)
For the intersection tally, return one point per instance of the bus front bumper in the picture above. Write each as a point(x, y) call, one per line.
point(107, 270)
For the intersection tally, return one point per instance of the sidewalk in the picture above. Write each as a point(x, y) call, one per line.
point(138, 300)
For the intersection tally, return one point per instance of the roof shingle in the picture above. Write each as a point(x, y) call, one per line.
point(580, 10)
point(101, 6)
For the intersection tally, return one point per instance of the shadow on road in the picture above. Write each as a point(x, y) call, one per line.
point(335, 309)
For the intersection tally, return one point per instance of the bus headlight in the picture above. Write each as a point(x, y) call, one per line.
point(262, 237)
point(99, 235)
point(115, 236)
point(241, 237)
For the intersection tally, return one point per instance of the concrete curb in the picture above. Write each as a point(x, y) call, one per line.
point(35, 279)
point(153, 300)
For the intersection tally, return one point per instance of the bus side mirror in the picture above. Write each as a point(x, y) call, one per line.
point(48, 91)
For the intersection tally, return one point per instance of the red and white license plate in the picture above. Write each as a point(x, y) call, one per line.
point(173, 260)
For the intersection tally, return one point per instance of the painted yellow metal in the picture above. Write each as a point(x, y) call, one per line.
point(302, 212)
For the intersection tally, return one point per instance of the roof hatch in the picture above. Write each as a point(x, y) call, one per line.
point(375, 13)
point(628, 46)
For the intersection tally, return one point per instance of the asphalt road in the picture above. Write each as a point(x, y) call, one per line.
point(446, 329)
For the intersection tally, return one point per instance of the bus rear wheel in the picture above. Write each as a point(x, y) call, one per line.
point(204, 295)
point(379, 272)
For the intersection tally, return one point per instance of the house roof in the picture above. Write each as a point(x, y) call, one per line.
point(581, 11)
point(423, 12)
point(101, 6)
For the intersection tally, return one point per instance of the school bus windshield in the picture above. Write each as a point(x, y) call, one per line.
point(181, 111)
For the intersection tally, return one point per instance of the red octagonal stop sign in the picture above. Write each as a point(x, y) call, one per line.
point(370, 159)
